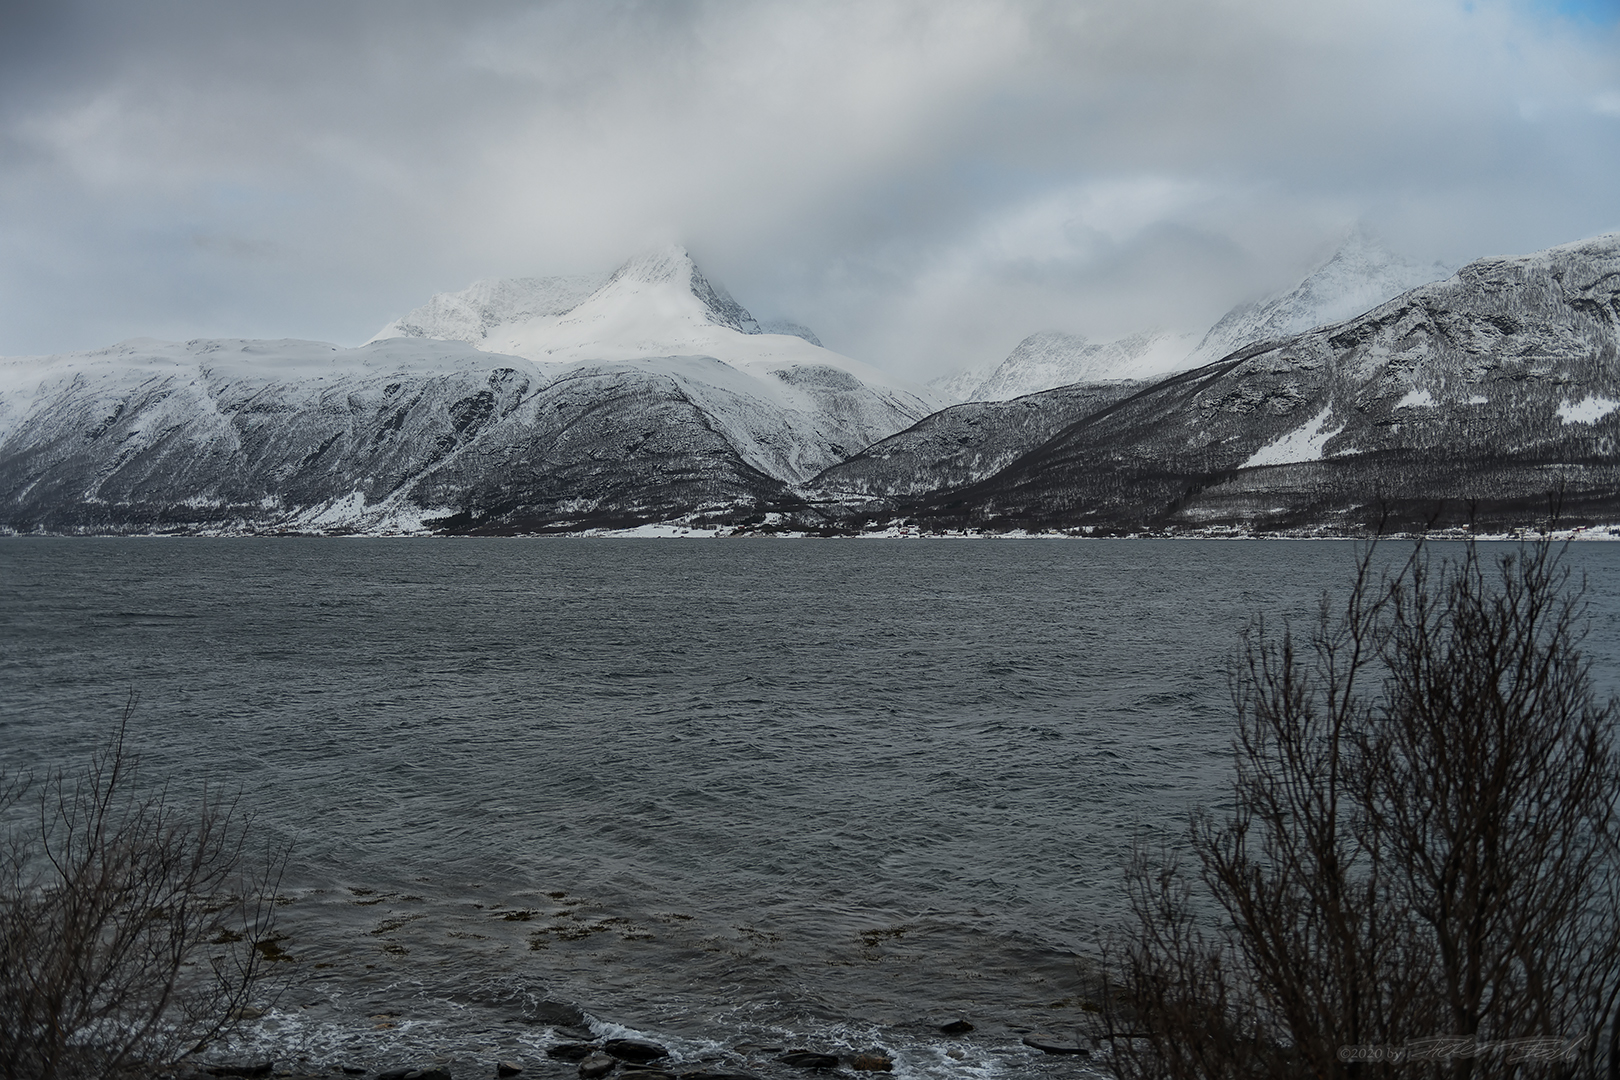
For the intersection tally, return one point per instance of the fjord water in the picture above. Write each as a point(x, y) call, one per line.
point(719, 792)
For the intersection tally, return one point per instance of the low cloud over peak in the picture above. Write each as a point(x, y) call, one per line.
point(924, 183)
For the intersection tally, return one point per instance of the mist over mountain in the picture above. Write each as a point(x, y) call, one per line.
point(470, 315)
point(1361, 274)
point(1052, 358)
point(657, 299)
point(657, 303)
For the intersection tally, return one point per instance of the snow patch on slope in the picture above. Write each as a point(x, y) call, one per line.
point(1300, 445)
point(1589, 410)
point(1416, 399)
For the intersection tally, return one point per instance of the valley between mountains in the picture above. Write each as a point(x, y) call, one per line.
point(1376, 392)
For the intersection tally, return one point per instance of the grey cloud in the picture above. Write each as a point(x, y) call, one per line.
point(921, 183)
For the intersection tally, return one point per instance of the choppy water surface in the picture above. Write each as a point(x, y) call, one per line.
point(720, 793)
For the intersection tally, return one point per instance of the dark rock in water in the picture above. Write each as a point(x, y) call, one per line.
point(560, 1013)
point(634, 1050)
point(705, 1074)
point(262, 1069)
point(416, 1072)
point(507, 1068)
point(956, 1027)
point(354, 1070)
point(571, 1051)
point(805, 1059)
point(597, 1064)
point(1052, 1044)
point(637, 1072)
point(872, 1063)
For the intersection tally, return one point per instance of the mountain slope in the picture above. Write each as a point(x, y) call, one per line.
point(255, 435)
point(264, 436)
point(962, 444)
point(1492, 389)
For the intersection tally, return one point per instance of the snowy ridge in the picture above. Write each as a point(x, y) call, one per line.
point(469, 315)
point(1051, 358)
point(1361, 275)
point(788, 326)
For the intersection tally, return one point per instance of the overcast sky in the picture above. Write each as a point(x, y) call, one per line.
point(921, 183)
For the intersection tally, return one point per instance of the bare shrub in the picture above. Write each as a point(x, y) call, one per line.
point(1419, 875)
point(131, 922)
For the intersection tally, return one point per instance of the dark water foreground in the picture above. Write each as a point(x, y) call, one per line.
point(731, 795)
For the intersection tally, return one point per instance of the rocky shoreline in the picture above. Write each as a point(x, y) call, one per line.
point(578, 1051)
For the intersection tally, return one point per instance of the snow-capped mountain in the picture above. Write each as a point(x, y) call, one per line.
point(1361, 275)
point(815, 405)
point(657, 304)
point(1493, 392)
point(625, 398)
point(812, 406)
